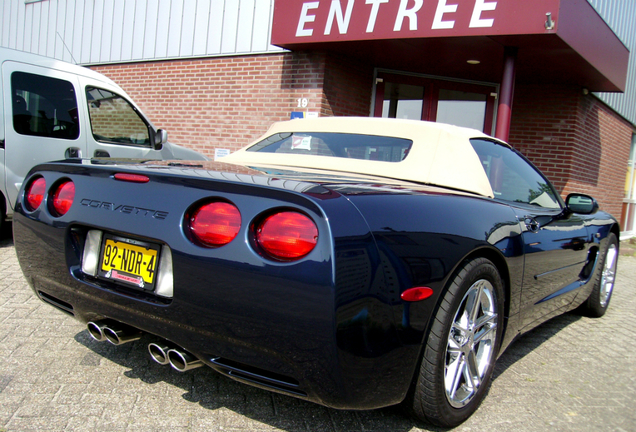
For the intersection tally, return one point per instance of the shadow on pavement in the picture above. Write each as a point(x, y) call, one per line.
point(6, 234)
point(531, 341)
point(213, 391)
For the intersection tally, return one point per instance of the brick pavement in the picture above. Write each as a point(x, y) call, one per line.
point(571, 374)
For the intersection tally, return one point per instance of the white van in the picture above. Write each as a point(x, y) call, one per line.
point(54, 110)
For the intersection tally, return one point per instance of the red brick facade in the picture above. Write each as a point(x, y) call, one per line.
point(227, 102)
point(575, 139)
point(579, 142)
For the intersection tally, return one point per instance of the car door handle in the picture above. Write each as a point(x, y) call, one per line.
point(73, 153)
point(531, 224)
point(101, 153)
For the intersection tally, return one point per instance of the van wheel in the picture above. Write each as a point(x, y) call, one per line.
point(461, 347)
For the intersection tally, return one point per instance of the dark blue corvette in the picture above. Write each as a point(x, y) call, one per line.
point(356, 263)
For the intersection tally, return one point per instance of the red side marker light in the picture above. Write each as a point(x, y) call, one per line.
point(416, 294)
point(63, 197)
point(35, 193)
point(134, 178)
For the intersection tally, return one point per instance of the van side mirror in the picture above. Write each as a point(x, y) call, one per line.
point(580, 203)
point(161, 137)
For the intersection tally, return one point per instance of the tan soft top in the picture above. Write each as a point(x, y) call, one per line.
point(441, 154)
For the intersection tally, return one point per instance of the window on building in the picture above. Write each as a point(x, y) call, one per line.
point(114, 119)
point(44, 106)
point(628, 216)
point(416, 97)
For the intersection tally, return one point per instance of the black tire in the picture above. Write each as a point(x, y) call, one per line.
point(479, 284)
point(597, 303)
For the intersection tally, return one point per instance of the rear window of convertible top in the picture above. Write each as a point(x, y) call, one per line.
point(344, 145)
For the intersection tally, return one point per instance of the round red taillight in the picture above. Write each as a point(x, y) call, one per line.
point(35, 193)
point(63, 197)
point(287, 235)
point(215, 224)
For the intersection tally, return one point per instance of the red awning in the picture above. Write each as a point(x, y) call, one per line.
point(557, 40)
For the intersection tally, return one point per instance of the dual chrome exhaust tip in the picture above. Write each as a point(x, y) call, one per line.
point(113, 332)
point(181, 360)
point(161, 352)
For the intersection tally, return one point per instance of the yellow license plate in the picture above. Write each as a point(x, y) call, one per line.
point(129, 261)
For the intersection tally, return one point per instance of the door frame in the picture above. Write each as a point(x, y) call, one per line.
point(432, 85)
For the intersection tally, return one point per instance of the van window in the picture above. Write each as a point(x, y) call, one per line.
point(114, 119)
point(44, 106)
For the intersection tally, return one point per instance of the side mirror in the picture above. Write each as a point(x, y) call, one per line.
point(161, 137)
point(580, 203)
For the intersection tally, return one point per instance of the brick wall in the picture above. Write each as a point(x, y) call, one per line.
point(204, 104)
point(575, 139)
point(228, 102)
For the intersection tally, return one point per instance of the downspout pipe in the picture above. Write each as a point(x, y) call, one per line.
point(504, 110)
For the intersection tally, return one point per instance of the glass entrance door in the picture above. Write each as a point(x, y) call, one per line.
point(419, 98)
point(628, 216)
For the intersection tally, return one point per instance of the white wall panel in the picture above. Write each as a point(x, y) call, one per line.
point(58, 34)
point(87, 33)
point(139, 31)
point(163, 27)
point(107, 31)
point(44, 29)
point(262, 34)
point(28, 29)
point(230, 27)
point(620, 15)
point(150, 32)
point(200, 35)
point(128, 29)
point(13, 26)
point(188, 22)
point(245, 23)
point(215, 26)
point(117, 29)
point(52, 21)
point(175, 31)
point(78, 30)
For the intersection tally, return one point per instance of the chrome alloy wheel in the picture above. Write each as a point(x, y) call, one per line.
point(471, 343)
point(608, 275)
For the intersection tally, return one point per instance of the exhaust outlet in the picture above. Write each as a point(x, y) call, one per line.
point(159, 352)
point(118, 335)
point(96, 330)
point(183, 360)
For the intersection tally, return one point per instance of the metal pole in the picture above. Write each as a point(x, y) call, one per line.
point(504, 110)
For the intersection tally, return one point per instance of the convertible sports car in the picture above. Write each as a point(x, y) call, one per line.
point(352, 262)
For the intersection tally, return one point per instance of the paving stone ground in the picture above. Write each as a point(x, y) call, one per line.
point(570, 374)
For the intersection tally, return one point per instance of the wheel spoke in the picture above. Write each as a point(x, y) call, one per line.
point(485, 327)
point(473, 303)
point(472, 369)
point(454, 372)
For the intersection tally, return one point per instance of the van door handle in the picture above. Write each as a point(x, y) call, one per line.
point(101, 153)
point(73, 153)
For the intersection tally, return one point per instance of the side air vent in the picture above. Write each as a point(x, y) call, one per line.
point(258, 377)
point(61, 305)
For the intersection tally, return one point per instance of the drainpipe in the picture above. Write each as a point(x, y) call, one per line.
point(504, 110)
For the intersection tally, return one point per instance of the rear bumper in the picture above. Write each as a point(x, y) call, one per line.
point(277, 330)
